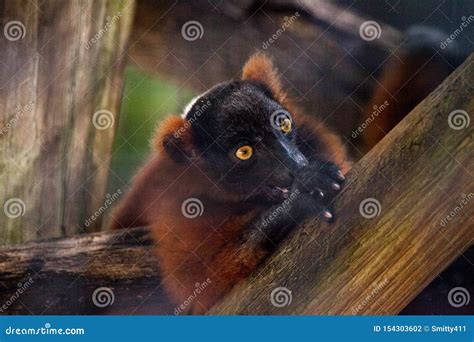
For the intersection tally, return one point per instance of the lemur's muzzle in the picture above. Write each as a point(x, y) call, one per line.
point(295, 160)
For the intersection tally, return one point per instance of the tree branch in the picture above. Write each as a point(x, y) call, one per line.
point(418, 173)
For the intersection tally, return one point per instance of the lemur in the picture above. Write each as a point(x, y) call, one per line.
point(250, 166)
point(244, 166)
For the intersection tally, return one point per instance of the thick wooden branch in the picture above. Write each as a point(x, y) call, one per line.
point(62, 275)
point(418, 173)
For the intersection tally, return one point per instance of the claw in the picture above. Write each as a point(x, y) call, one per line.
point(327, 215)
point(340, 176)
point(319, 191)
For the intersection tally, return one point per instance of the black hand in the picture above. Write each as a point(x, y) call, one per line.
point(323, 180)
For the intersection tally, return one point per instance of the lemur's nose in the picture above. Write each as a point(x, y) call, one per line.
point(295, 160)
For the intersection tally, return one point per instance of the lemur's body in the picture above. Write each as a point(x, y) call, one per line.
point(256, 180)
point(226, 154)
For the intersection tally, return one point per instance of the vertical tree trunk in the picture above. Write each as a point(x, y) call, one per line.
point(60, 87)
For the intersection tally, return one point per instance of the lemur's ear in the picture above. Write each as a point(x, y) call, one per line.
point(174, 138)
point(260, 68)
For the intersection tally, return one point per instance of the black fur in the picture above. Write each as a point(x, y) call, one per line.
point(239, 113)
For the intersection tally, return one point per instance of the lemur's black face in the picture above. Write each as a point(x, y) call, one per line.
point(247, 140)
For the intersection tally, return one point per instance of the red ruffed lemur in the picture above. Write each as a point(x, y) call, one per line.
point(229, 180)
point(243, 167)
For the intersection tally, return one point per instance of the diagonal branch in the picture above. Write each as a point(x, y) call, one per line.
point(418, 174)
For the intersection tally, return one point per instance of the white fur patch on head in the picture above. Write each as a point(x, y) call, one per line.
point(191, 103)
point(188, 107)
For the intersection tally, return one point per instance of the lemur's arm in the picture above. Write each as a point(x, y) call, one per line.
point(258, 238)
point(261, 235)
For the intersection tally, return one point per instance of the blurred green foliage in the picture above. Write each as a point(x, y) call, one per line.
point(146, 101)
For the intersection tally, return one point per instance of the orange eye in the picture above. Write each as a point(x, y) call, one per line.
point(244, 152)
point(286, 125)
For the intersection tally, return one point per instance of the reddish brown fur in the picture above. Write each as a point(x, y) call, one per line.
point(260, 68)
point(408, 78)
point(191, 251)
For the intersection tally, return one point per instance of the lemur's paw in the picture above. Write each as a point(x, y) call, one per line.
point(323, 181)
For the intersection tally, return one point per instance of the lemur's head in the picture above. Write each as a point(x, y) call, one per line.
point(241, 134)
